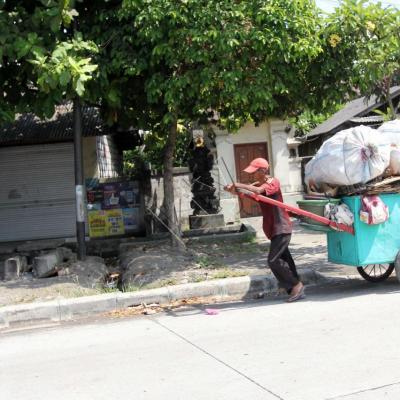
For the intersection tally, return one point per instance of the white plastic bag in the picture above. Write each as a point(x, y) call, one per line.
point(352, 156)
point(373, 210)
point(395, 162)
point(389, 133)
point(340, 213)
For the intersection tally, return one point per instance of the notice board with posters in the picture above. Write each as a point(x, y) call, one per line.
point(113, 208)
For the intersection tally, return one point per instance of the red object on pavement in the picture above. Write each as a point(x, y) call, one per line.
point(296, 210)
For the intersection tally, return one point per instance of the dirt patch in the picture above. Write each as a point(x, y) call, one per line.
point(27, 289)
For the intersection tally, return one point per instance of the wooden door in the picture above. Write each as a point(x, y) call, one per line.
point(244, 154)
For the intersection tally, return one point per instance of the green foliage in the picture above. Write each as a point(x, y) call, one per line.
point(148, 62)
point(151, 154)
point(41, 62)
point(242, 59)
point(65, 68)
point(386, 115)
point(308, 120)
point(370, 32)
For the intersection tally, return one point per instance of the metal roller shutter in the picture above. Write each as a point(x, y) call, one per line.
point(37, 192)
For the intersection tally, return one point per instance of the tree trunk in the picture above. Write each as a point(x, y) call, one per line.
point(169, 198)
point(389, 99)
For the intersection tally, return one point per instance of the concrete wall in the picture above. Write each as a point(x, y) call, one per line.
point(90, 157)
point(182, 192)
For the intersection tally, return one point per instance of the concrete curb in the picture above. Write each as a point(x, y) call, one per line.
point(68, 309)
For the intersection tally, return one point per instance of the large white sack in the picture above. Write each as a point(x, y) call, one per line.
point(352, 156)
point(395, 162)
point(390, 133)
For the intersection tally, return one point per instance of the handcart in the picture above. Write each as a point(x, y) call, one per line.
point(372, 249)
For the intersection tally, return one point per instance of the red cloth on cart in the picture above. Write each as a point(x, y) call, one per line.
point(276, 220)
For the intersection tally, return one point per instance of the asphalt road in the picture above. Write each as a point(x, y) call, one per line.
point(339, 343)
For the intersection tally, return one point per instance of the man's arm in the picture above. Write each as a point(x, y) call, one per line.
point(250, 188)
point(271, 186)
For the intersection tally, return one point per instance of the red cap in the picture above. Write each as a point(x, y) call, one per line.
point(256, 164)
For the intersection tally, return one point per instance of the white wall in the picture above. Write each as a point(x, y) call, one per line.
point(249, 133)
point(108, 158)
point(286, 169)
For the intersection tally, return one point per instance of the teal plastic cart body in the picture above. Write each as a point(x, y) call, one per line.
point(370, 244)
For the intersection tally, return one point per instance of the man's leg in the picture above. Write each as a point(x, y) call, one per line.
point(286, 256)
point(279, 267)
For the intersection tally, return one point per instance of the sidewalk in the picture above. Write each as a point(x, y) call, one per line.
point(242, 265)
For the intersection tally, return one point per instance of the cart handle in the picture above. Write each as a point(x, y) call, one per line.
point(295, 210)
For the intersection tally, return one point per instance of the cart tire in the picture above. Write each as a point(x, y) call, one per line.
point(376, 272)
point(397, 266)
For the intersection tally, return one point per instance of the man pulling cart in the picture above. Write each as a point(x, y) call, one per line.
point(372, 249)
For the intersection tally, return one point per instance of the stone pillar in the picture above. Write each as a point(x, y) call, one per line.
point(204, 203)
point(14, 267)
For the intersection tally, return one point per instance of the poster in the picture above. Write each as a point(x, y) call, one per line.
point(111, 196)
point(129, 194)
point(97, 223)
point(113, 208)
point(95, 196)
point(104, 223)
point(114, 222)
point(131, 219)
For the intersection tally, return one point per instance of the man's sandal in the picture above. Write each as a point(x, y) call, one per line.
point(298, 296)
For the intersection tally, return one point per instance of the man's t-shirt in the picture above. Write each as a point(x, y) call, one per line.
point(276, 220)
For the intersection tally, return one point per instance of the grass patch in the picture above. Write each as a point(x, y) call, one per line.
point(133, 288)
point(250, 239)
point(228, 273)
point(109, 290)
point(208, 262)
point(242, 248)
point(198, 278)
point(162, 283)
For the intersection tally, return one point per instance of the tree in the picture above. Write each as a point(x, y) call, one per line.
point(171, 60)
point(370, 32)
point(42, 60)
point(152, 63)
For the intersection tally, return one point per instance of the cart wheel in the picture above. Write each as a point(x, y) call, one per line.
point(397, 266)
point(376, 272)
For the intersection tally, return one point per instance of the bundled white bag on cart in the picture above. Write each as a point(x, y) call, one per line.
point(394, 162)
point(352, 156)
point(389, 133)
